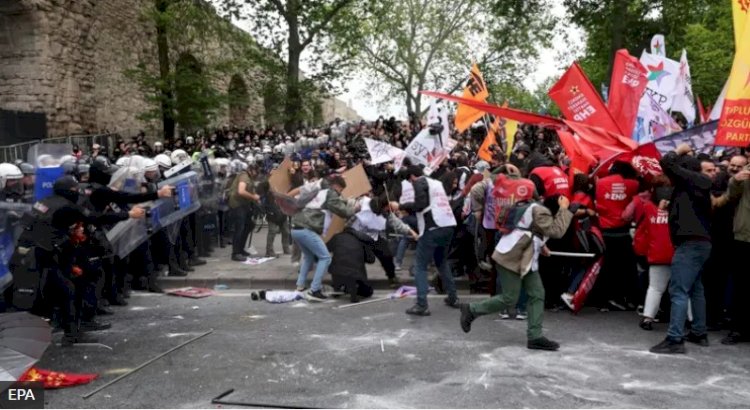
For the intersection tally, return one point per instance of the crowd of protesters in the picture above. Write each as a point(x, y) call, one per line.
point(668, 244)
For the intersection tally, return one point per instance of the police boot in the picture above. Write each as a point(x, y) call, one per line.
point(182, 261)
point(153, 287)
point(73, 335)
point(93, 325)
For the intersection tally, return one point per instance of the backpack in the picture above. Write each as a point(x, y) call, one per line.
point(512, 196)
point(510, 215)
point(290, 205)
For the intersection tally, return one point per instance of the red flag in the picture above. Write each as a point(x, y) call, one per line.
point(600, 142)
point(701, 111)
point(579, 101)
point(507, 113)
point(629, 80)
point(579, 298)
point(56, 380)
point(581, 159)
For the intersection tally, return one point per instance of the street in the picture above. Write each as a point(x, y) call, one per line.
point(375, 356)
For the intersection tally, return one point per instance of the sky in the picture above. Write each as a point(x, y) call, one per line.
point(369, 109)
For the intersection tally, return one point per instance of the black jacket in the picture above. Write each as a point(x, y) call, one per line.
point(690, 205)
point(351, 250)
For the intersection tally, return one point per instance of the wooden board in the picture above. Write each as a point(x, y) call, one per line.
point(280, 180)
point(357, 185)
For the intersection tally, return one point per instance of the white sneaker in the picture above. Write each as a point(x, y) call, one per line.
point(568, 299)
point(521, 315)
point(504, 315)
point(398, 268)
point(251, 250)
point(295, 264)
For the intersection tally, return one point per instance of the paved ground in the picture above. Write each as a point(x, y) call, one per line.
point(277, 273)
point(314, 355)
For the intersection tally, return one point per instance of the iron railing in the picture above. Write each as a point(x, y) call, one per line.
point(10, 153)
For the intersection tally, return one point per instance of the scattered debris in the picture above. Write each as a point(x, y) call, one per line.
point(257, 261)
point(382, 347)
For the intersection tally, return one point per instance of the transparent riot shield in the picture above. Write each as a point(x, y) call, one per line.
point(127, 235)
point(48, 159)
point(10, 229)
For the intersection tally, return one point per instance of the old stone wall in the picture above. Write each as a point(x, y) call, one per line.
point(67, 59)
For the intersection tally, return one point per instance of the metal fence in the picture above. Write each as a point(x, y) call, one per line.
point(10, 153)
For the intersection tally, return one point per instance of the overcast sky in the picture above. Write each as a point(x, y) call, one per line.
point(368, 107)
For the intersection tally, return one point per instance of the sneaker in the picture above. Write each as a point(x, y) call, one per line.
point(451, 301)
point(701, 340)
point(668, 346)
point(251, 250)
point(418, 310)
point(239, 257)
point(646, 324)
point(315, 296)
point(466, 317)
point(398, 268)
point(733, 338)
point(521, 315)
point(295, 264)
point(300, 289)
point(504, 315)
point(542, 343)
point(567, 298)
point(639, 310)
point(394, 282)
point(243, 253)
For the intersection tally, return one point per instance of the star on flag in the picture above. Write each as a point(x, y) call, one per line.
point(656, 72)
point(574, 89)
point(657, 46)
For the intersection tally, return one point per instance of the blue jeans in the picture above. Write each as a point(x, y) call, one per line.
point(433, 245)
point(313, 249)
point(405, 240)
point(685, 282)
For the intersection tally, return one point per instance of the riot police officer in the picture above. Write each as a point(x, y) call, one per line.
point(11, 185)
point(28, 180)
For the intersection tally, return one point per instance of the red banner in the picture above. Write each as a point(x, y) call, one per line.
point(579, 101)
point(629, 80)
point(734, 125)
point(581, 159)
point(600, 142)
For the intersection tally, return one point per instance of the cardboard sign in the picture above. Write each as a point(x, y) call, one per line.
point(357, 185)
point(280, 180)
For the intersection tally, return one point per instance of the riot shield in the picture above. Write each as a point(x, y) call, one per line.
point(48, 159)
point(128, 235)
point(10, 229)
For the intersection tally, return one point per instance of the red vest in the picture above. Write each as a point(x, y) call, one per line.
point(656, 221)
point(613, 194)
point(554, 180)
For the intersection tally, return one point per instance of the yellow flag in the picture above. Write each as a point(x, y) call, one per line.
point(734, 124)
point(475, 89)
point(740, 10)
point(510, 135)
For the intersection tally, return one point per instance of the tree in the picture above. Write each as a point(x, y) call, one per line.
point(702, 27)
point(181, 86)
point(291, 27)
point(407, 46)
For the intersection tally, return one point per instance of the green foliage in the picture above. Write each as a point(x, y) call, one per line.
point(702, 27)
point(403, 47)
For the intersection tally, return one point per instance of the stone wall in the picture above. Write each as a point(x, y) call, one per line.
point(334, 108)
point(67, 59)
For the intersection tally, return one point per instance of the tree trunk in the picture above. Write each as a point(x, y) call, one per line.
point(293, 104)
point(619, 16)
point(165, 88)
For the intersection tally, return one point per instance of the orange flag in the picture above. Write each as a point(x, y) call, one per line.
point(56, 380)
point(491, 138)
point(476, 90)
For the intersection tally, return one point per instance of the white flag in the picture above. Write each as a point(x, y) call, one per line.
point(653, 121)
point(683, 93)
point(382, 151)
point(426, 149)
point(719, 105)
point(658, 47)
point(662, 77)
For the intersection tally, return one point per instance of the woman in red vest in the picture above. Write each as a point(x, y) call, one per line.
point(654, 222)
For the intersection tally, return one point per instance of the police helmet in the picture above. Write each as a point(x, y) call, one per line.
point(9, 172)
point(178, 156)
point(27, 169)
point(163, 161)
